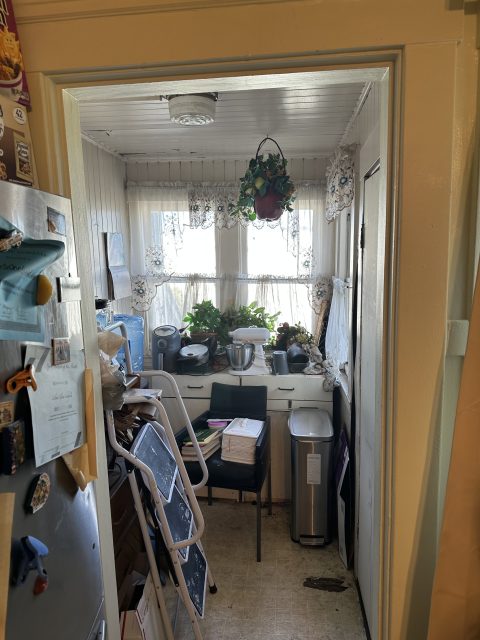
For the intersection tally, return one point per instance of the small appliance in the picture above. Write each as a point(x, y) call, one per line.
point(297, 358)
point(258, 336)
point(240, 356)
point(166, 342)
point(193, 359)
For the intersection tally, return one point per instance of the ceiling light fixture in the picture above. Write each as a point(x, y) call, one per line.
point(192, 110)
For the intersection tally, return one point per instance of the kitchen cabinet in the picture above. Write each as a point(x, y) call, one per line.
point(284, 393)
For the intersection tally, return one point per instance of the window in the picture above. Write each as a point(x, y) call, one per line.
point(184, 253)
point(281, 284)
point(208, 257)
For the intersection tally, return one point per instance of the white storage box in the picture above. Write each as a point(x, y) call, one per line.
point(239, 440)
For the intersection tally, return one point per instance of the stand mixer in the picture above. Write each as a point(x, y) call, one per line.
point(259, 337)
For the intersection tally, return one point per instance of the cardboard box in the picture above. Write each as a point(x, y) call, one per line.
point(16, 153)
point(13, 82)
point(144, 623)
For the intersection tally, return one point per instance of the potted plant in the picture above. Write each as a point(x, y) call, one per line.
point(288, 335)
point(266, 190)
point(203, 321)
point(250, 315)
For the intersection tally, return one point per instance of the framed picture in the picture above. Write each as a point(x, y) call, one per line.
point(60, 351)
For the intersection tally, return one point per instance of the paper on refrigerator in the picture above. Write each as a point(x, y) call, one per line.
point(21, 318)
point(57, 407)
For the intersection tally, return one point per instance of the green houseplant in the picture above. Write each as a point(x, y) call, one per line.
point(266, 190)
point(250, 315)
point(203, 321)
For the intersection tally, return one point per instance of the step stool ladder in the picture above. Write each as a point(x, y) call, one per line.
point(155, 454)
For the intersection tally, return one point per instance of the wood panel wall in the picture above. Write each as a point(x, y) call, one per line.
point(105, 184)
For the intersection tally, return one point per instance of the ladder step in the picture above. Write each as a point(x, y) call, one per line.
point(150, 449)
point(180, 520)
point(195, 573)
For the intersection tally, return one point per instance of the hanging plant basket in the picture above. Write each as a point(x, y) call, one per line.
point(269, 206)
point(266, 190)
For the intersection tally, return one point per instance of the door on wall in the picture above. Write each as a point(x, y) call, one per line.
point(368, 377)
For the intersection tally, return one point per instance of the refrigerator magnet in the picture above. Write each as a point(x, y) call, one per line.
point(37, 494)
point(56, 222)
point(60, 351)
point(12, 438)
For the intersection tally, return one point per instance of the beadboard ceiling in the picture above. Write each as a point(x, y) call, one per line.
point(307, 121)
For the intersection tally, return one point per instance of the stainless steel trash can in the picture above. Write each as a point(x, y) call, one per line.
point(311, 434)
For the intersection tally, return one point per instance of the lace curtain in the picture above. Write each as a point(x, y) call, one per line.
point(148, 267)
point(147, 255)
point(340, 182)
point(209, 205)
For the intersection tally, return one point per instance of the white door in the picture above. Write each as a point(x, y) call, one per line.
point(368, 393)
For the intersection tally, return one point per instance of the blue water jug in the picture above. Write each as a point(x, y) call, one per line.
point(135, 331)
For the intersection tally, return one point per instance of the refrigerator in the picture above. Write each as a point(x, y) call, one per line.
point(72, 605)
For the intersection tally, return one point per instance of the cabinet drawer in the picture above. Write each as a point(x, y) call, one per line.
point(194, 386)
point(201, 386)
point(291, 387)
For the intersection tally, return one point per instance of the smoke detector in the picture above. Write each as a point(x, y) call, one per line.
point(192, 110)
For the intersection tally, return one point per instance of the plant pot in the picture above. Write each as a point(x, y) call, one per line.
point(268, 207)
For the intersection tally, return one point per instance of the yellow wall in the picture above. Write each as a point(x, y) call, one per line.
point(436, 160)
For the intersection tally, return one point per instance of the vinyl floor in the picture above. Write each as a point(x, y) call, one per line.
point(267, 600)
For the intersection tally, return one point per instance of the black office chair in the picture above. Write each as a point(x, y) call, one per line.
point(230, 401)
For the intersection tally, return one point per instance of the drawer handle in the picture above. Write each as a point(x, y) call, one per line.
point(286, 388)
point(191, 386)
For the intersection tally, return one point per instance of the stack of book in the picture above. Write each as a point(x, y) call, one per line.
point(208, 440)
point(239, 440)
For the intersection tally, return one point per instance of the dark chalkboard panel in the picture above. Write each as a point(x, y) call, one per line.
point(152, 451)
point(180, 520)
point(195, 573)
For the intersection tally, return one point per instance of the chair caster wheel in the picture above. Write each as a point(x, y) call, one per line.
point(213, 589)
